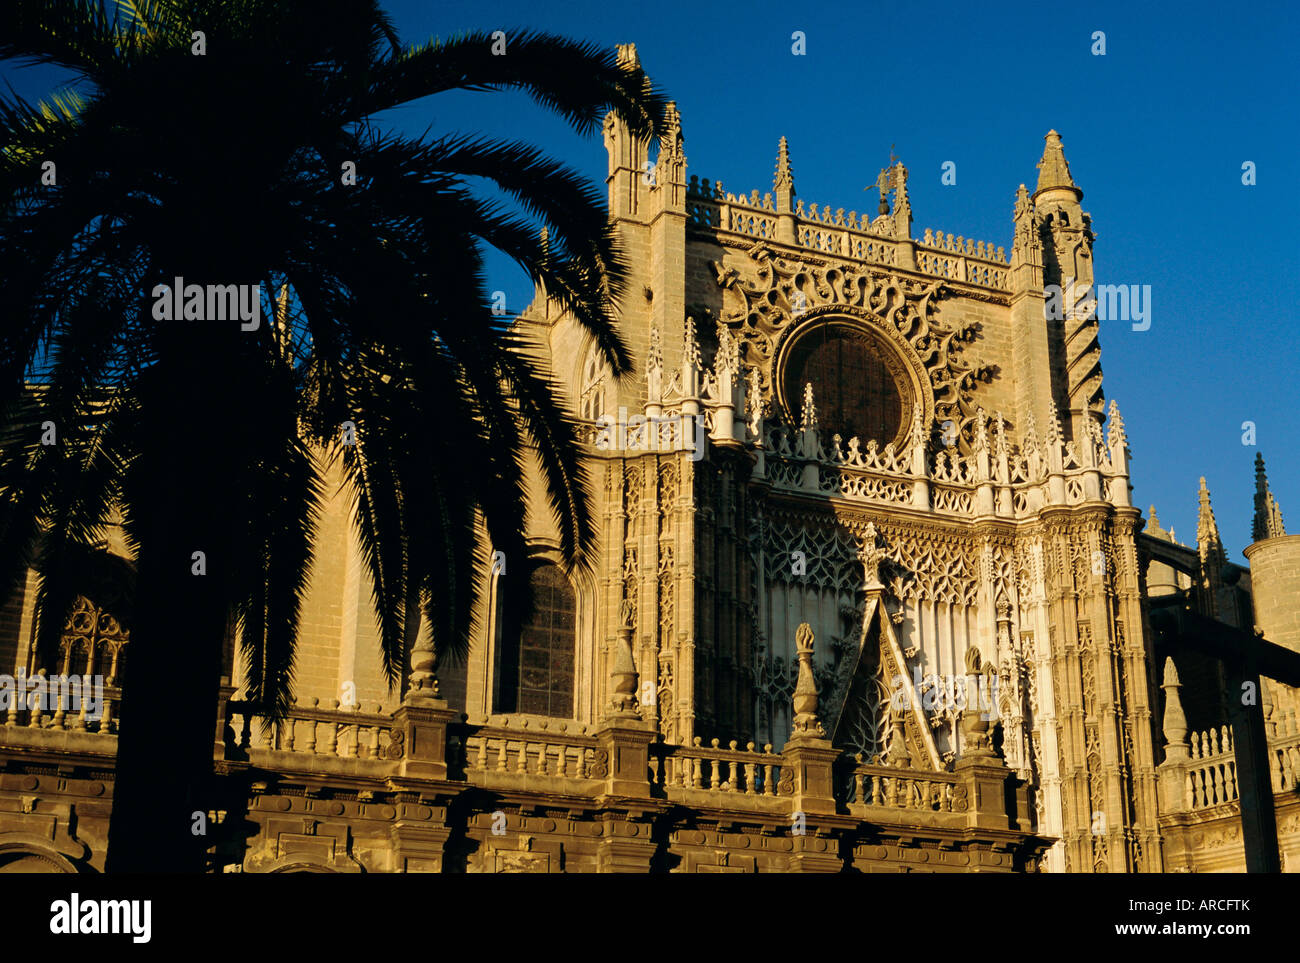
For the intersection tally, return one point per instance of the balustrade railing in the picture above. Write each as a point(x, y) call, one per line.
point(1211, 770)
point(819, 229)
point(712, 768)
point(487, 751)
point(52, 702)
point(1021, 483)
point(865, 784)
point(311, 731)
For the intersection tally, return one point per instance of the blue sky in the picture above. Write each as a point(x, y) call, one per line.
point(1156, 132)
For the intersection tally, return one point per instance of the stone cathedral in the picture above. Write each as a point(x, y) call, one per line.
point(871, 593)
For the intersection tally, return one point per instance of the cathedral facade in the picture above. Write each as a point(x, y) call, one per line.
point(870, 591)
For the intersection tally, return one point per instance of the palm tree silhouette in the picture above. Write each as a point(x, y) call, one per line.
point(233, 143)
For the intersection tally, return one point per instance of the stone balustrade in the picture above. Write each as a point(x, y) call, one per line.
point(867, 785)
point(1210, 772)
point(817, 228)
point(715, 769)
point(345, 789)
point(493, 754)
point(311, 731)
point(42, 706)
point(1010, 483)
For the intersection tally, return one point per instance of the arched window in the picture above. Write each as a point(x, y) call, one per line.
point(855, 386)
point(591, 395)
point(536, 673)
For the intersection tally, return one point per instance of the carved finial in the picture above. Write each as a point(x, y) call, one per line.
point(808, 416)
point(1175, 721)
point(623, 675)
point(918, 429)
point(1054, 433)
point(902, 204)
point(1053, 170)
point(1208, 542)
point(672, 137)
point(979, 704)
point(728, 356)
point(783, 183)
point(1031, 434)
point(999, 436)
point(805, 690)
point(870, 555)
point(981, 429)
point(423, 687)
point(1268, 515)
point(654, 367)
point(1115, 437)
point(691, 346)
point(1022, 201)
point(627, 56)
point(754, 403)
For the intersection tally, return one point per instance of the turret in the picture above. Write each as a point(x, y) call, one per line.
point(1274, 578)
point(1032, 353)
point(627, 180)
point(1066, 234)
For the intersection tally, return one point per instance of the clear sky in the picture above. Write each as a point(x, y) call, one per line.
point(1156, 132)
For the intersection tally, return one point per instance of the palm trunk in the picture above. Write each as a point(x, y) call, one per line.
point(163, 790)
point(162, 793)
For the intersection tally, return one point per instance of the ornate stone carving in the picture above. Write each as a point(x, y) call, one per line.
point(805, 692)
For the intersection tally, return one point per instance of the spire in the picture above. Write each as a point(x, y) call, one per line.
point(783, 184)
point(1268, 515)
point(1207, 532)
point(1053, 170)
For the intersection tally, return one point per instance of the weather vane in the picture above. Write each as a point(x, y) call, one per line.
point(886, 182)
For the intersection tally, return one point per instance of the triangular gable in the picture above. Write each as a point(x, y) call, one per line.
point(880, 660)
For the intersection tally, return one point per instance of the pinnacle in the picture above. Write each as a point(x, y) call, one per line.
point(1207, 529)
point(784, 175)
point(627, 56)
point(1268, 515)
point(1155, 529)
point(1053, 169)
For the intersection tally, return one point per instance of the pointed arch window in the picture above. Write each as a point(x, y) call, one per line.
point(537, 664)
point(591, 396)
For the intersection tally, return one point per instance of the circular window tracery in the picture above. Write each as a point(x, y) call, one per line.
point(860, 387)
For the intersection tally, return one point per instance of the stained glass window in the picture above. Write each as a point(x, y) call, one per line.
point(537, 670)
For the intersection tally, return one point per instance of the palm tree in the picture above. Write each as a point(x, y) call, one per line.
point(209, 141)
